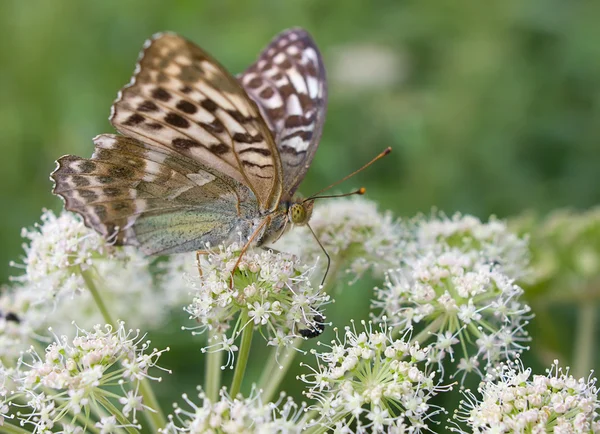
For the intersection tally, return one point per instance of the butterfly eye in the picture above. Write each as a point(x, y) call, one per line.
point(298, 214)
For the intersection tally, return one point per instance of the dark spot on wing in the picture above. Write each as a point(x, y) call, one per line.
point(154, 126)
point(134, 119)
point(176, 120)
point(247, 138)
point(255, 83)
point(267, 92)
point(209, 105)
point(186, 107)
point(147, 106)
point(80, 181)
point(181, 143)
point(88, 195)
point(219, 149)
point(87, 166)
point(160, 94)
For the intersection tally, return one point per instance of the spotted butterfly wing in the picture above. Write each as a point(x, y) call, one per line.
point(288, 83)
point(197, 162)
point(182, 98)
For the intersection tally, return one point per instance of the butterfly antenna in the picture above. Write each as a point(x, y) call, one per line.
point(324, 251)
point(381, 155)
point(360, 192)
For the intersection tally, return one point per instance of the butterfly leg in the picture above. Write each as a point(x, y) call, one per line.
point(198, 254)
point(258, 230)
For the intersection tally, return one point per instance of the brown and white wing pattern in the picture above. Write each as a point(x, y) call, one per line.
point(288, 83)
point(152, 197)
point(183, 99)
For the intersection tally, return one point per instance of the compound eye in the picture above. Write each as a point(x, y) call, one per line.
point(298, 213)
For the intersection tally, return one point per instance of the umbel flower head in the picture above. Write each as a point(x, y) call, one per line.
point(63, 258)
point(490, 242)
point(517, 401)
point(95, 373)
point(372, 382)
point(272, 290)
point(236, 415)
point(354, 233)
point(456, 299)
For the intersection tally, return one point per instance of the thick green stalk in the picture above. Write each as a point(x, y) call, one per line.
point(273, 372)
point(13, 429)
point(585, 348)
point(240, 367)
point(212, 373)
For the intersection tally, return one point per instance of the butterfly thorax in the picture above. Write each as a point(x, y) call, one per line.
point(295, 212)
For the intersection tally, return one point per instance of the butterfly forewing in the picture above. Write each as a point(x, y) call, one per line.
point(146, 195)
point(181, 98)
point(288, 83)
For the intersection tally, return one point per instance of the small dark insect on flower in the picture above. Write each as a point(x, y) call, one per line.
point(10, 316)
point(315, 330)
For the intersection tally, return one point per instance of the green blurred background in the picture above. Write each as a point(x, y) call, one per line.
point(490, 107)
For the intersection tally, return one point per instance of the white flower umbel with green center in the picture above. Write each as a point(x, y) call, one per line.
point(459, 302)
point(236, 415)
point(456, 301)
point(356, 235)
point(371, 383)
point(69, 268)
point(490, 241)
point(515, 401)
point(77, 382)
point(270, 291)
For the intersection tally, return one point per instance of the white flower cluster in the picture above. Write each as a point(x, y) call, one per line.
point(372, 382)
point(273, 288)
point(449, 289)
point(489, 242)
point(354, 233)
point(63, 258)
point(236, 415)
point(78, 377)
point(519, 402)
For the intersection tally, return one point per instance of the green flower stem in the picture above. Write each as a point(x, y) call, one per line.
point(425, 334)
point(91, 285)
point(584, 348)
point(273, 373)
point(13, 429)
point(212, 379)
point(117, 413)
point(157, 418)
point(240, 367)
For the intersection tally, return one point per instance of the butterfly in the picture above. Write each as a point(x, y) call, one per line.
point(203, 157)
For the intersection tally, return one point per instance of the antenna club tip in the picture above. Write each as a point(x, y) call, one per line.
point(387, 150)
point(361, 190)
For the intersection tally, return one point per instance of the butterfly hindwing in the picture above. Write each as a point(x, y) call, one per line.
point(289, 85)
point(149, 196)
point(183, 99)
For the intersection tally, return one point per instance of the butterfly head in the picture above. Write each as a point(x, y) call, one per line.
point(299, 213)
